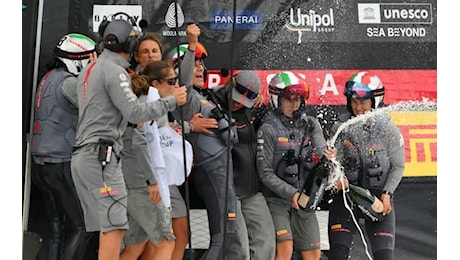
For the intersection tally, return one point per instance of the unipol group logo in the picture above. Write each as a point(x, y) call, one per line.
point(170, 20)
point(309, 22)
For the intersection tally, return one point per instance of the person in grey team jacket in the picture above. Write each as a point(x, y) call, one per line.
point(373, 156)
point(288, 144)
point(255, 236)
point(106, 104)
point(53, 137)
point(212, 162)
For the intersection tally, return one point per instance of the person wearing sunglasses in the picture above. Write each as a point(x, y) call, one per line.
point(150, 50)
point(212, 171)
point(150, 227)
point(371, 150)
point(288, 144)
point(255, 238)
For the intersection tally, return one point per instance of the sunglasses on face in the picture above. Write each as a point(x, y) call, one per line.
point(171, 82)
point(245, 92)
point(361, 91)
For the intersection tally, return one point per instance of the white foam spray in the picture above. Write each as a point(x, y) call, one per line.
point(337, 172)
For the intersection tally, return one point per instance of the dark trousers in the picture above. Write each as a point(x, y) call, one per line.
point(220, 198)
point(381, 234)
point(66, 236)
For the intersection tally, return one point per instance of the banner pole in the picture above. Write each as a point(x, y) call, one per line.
point(27, 177)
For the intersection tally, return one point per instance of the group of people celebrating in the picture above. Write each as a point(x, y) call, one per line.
point(98, 159)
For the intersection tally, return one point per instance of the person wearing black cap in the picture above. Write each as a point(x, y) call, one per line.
point(255, 236)
point(371, 150)
point(288, 144)
point(106, 103)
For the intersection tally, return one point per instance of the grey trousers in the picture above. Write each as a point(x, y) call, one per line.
point(255, 232)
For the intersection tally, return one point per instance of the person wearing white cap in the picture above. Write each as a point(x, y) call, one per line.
point(255, 237)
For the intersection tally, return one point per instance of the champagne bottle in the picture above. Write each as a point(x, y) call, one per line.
point(314, 186)
point(366, 202)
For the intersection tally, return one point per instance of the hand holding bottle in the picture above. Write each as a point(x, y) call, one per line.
point(314, 186)
point(330, 152)
point(387, 208)
point(342, 183)
point(366, 202)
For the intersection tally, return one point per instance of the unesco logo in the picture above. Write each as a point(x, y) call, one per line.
point(395, 13)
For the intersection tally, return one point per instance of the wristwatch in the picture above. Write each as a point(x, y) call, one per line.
point(388, 193)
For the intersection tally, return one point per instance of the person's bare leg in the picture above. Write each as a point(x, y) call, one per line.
point(109, 244)
point(148, 253)
point(180, 228)
point(132, 252)
point(311, 254)
point(162, 250)
point(284, 250)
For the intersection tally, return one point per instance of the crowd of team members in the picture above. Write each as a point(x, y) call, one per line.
point(99, 161)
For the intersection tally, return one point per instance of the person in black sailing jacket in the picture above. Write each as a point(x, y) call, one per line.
point(255, 237)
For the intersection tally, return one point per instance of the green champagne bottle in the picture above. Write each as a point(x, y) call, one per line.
point(366, 202)
point(314, 186)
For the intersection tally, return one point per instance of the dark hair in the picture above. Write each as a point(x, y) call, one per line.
point(111, 43)
point(156, 70)
point(150, 36)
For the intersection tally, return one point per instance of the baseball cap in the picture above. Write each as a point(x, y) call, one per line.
point(122, 29)
point(246, 88)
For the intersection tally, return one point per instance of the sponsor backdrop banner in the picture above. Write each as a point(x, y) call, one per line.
point(326, 41)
